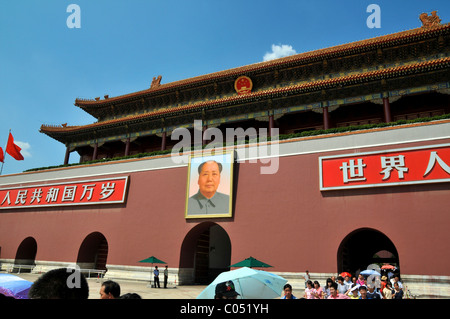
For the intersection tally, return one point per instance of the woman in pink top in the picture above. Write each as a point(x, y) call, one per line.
point(309, 290)
point(318, 292)
point(360, 280)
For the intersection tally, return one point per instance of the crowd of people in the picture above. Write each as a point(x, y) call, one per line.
point(61, 284)
point(344, 287)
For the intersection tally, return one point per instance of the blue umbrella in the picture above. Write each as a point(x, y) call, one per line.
point(14, 286)
point(249, 283)
point(369, 272)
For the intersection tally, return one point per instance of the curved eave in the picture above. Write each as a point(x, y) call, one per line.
point(350, 48)
point(58, 132)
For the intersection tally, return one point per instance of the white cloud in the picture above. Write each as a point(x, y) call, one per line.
point(25, 146)
point(279, 51)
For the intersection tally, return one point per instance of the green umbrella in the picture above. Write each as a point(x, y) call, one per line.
point(251, 262)
point(152, 260)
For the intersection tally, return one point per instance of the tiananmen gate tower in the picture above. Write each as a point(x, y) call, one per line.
point(358, 136)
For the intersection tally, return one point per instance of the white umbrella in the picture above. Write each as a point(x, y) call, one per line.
point(249, 283)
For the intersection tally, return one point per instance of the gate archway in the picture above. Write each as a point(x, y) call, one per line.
point(25, 255)
point(93, 252)
point(205, 253)
point(363, 247)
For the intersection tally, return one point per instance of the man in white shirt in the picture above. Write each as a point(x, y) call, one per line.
point(166, 276)
point(396, 279)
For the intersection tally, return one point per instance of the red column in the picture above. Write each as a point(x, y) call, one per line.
point(66, 158)
point(270, 124)
point(163, 141)
point(387, 110)
point(127, 147)
point(94, 155)
point(205, 127)
point(326, 118)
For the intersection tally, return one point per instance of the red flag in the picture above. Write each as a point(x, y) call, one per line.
point(2, 156)
point(12, 149)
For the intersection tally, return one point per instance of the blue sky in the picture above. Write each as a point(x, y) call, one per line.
point(122, 45)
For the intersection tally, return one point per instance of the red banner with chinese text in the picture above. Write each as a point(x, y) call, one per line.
point(419, 165)
point(89, 192)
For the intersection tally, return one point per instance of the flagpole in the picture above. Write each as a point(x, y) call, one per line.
point(4, 153)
